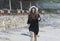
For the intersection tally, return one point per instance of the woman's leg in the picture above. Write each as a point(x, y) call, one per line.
point(31, 35)
point(35, 37)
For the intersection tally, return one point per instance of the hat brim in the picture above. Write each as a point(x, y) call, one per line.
point(33, 7)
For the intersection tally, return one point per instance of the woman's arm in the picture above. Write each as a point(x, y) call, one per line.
point(28, 22)
point(39, 18)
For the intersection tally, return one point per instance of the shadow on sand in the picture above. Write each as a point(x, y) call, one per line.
point(25, 34)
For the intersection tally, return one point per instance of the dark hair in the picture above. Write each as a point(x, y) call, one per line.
point(33, 15)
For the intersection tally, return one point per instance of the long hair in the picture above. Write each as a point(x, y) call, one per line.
point(35, 14)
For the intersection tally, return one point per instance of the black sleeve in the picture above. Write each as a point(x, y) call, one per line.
point(28, 22)
point(39, 17)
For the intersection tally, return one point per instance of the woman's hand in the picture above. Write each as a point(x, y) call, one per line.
point(39, 19)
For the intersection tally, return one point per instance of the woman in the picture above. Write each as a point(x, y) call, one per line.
point(33, 21)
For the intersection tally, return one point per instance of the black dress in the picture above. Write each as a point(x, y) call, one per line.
point(34, 25)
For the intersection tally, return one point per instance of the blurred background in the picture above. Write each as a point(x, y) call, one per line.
point(47, 5)
point(14, 16)
point(13, 12)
